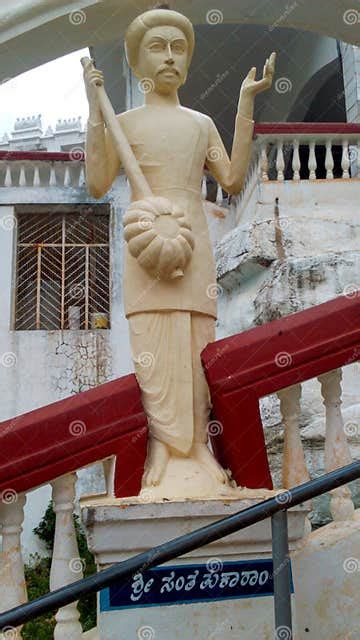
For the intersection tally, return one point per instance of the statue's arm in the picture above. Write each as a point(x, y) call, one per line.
point(231, 173)
point(101, 159)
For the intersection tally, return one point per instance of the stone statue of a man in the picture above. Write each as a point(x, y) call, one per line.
point(171, 321)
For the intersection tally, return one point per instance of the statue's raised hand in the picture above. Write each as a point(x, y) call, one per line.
point(250, 86)
point(93, 78)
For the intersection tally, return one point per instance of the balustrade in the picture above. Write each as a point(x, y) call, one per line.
point(66, 565)
point(337, 452)
point(30, 172)
point(297, 151)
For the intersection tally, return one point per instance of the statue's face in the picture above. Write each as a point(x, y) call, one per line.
point(163, 57)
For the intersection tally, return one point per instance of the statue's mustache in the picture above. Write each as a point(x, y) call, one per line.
point(167, 68)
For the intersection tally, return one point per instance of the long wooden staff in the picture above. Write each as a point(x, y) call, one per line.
point(138, 182)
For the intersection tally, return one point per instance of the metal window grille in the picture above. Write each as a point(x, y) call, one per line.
point(63, 271)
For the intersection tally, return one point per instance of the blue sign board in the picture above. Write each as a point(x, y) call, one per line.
point(190, 583)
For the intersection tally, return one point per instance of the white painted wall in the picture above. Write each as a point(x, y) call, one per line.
point(321, 230)
point(50, 365)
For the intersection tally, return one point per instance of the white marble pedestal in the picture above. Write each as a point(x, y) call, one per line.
point(119, 529)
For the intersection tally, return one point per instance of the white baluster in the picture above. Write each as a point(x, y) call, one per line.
point(337, 452)
point(264, 163)
point(329, 161)
point(52, 179)
point(8, 175)
point(204, 188)
point(294, 470)
point(312, 165)
point(358, 160)
point(12, 580)
point(296, 164)
point(66, 565)
point(219, 195)
point(345, 160)
point(82, 179)
point(36, 180)
point(280, 162)
point(67, 176)
point(22, 177)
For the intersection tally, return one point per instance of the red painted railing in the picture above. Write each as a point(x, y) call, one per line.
point(43, 156)
point(44, 444)
point(250, 365)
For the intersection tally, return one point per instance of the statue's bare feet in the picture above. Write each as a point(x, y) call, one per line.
point(156, 462)
point(202, 454)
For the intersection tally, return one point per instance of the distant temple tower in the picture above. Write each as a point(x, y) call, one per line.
point(28, 135)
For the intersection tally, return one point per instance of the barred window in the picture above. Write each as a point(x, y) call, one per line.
point(63, 271)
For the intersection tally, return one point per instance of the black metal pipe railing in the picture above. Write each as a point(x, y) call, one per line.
point(177, 547)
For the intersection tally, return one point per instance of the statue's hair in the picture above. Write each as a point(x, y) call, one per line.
point(156, 18)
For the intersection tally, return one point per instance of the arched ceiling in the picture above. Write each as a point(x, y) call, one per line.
point(36, 31)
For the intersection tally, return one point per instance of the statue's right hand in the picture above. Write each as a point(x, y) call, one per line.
point(93, 78)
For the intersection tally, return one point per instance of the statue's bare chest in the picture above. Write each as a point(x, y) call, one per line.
point(157, 137)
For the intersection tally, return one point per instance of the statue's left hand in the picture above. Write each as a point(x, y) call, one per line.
point(251, 86)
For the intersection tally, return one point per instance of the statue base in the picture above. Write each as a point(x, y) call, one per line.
point(222, 590)
point(186, 478)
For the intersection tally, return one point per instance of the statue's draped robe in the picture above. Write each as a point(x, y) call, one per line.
point(172, 321)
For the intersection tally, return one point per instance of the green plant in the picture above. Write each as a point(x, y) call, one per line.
point(37, 576)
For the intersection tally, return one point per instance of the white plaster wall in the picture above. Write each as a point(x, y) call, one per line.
point(45, 366)
point(326, 571)
point(321, 238)
point(53, 365)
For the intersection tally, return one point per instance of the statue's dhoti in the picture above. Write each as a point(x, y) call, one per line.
point(166, 349)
